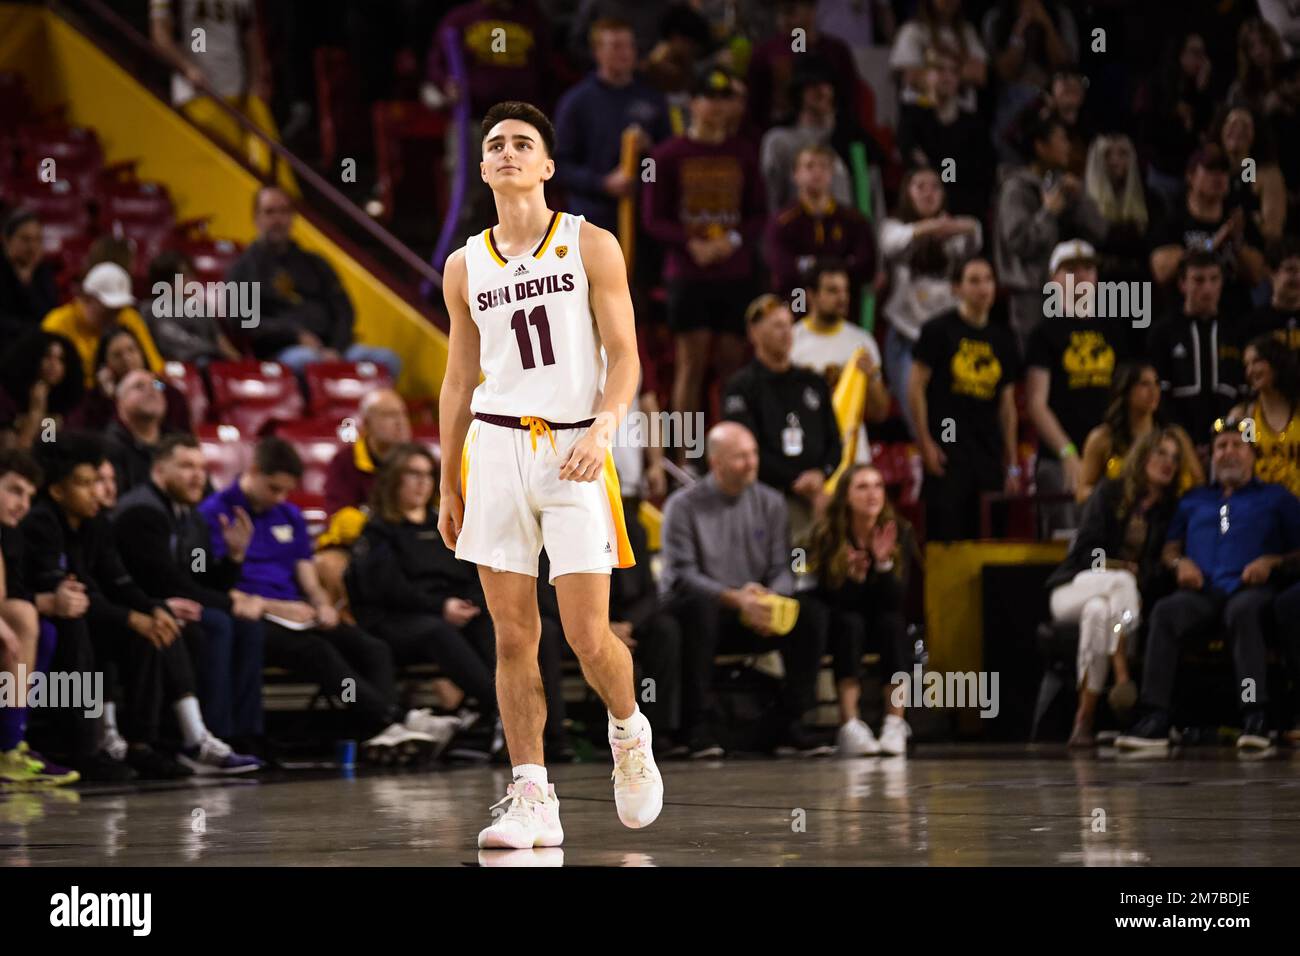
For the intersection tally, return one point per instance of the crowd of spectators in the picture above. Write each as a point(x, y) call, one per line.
point(1057, 267)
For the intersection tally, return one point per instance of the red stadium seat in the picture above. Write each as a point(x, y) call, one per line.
point(342, 113)
point(317, 442)
point(61, 209)
point(15, 100)
point(335, 389)
point(187, 379)
point(212, 258)
point(225, 452)
point(252, 395)
point(409, 141)
point(76, 152)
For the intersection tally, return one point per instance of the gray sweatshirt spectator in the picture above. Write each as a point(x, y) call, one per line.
point(1038, 206)
point(714, 541)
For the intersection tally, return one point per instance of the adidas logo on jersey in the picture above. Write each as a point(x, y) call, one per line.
point(522, 270)
point(607, 548)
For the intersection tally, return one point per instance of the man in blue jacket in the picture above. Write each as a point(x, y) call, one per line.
point(1223, 544)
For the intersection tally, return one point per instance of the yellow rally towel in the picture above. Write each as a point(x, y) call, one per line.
point(629, 155)
point(785, 612)
point(850, 404)
point(344, 528)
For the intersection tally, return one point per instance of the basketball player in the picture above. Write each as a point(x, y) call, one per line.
point(540, 303)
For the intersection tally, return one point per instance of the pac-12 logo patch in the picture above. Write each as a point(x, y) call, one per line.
point(561, 251)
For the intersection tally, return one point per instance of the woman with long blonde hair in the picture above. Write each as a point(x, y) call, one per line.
point(1112, 181)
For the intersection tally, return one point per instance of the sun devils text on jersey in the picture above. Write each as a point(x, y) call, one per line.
point(540, 347)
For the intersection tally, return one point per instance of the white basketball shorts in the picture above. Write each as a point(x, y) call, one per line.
point(516, 503)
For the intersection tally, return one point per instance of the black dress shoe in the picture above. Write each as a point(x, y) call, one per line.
point(152, 764)
point(101, 768)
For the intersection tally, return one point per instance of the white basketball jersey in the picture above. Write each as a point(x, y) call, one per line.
point(539, 349)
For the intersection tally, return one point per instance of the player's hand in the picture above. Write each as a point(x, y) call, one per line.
point(617, 183)
point(933, 458)
point(1189, 575)
point(459, 612)
point(184, 609)
point(1072, 468)
point(656, 481)
point(165, 627)
point(586, 458)
point(623, 631)
point(755, 614)
point(70, 598)
point(808, 484)
point(1258, 571)
point(451, 516)
point(248, 607)
point(237, 533)
point(327, 615)
point(300, 612)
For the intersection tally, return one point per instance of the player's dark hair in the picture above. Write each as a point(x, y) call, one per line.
point(1198, 259)
point(525, 113)
point(171, 442)
point(275, 456)
point(824, 267)
point(1280, 250)
point(959, 268)
point(70, 450)
point(22, 464)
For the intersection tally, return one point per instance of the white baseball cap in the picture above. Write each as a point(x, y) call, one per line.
point(1071, 250)
point(109, 283)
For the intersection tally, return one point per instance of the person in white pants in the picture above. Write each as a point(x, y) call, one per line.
point(1113, 563)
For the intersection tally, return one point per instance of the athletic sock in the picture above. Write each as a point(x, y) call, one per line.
point(190, 718)
point(114, 743)
point(533, 772)
point(629, 727)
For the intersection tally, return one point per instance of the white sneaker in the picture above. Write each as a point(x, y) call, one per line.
point(638, 785)
point(893, 736)
point(441, 729)
point(532, 820)
point(855, 739)
point(398, 745)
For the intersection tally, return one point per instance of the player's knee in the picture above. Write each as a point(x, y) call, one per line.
point(518, 639)
point(589, 641)
point(22, 619)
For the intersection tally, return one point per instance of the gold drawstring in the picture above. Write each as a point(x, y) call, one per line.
point(538, 426)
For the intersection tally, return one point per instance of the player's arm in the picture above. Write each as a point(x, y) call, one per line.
point(458, 384)
point(611, 304)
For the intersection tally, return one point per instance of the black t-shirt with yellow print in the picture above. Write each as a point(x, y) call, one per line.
point(968, 369)
point(1081, 356)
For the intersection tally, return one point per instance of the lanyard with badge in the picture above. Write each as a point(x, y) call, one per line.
point(792, 436)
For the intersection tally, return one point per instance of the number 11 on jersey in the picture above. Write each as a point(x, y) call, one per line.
point(520, 324)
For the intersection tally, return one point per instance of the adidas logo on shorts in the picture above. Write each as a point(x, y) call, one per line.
point(607, 548)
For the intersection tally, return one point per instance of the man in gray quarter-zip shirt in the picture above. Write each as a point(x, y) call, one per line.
point(725, 545)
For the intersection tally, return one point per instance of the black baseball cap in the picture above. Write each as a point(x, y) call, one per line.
point(713, 81)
